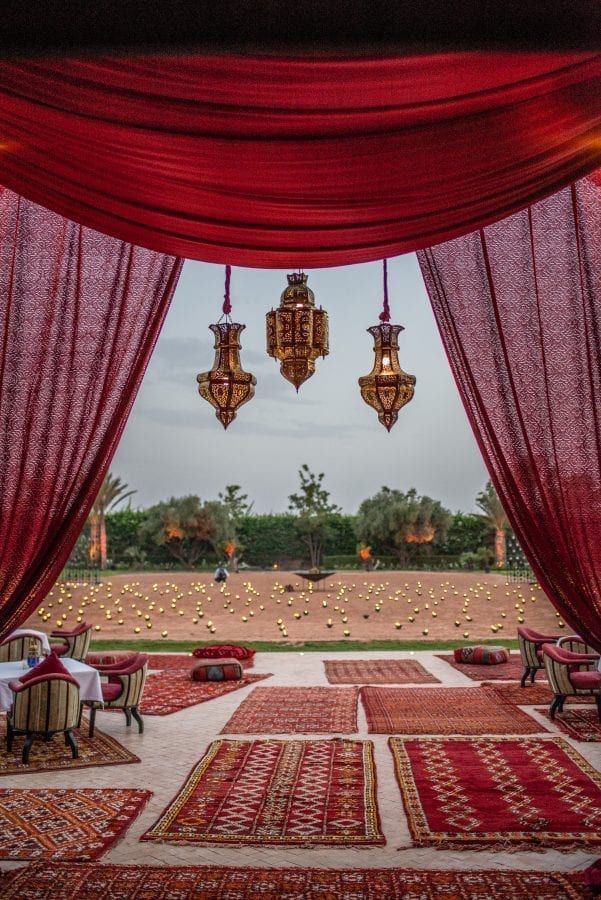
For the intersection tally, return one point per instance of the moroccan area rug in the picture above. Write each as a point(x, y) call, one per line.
point(377, 671)
point(305, 793)
point(67, 824)
point(442, 711)
point(101, 750)
point(509, 671)
point(498, 794)
point(579, 723)
point(531, 695)
point(172, 690)
point(98, 882)
point(296, 710)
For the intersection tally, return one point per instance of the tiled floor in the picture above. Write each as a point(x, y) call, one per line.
point(172, 745)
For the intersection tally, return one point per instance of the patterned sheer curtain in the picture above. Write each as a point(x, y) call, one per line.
point(518, 305)
point(79, 316)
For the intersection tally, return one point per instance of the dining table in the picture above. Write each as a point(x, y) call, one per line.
point(87, 678)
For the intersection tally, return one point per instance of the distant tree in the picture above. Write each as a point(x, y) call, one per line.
point(493, 513)
point(112, 492)
point(186, 527)
point(467, 532)
point(313, 510)
point(238, 508)
point(397, 523)
point(236, 502)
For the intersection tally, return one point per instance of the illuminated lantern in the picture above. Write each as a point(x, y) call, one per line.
point(227, 386)
point(387, 388)
point(297, 332)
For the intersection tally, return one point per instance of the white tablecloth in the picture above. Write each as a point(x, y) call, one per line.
point(87, 678)
point(39, 634)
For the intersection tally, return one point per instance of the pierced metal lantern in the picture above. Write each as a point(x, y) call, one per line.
point(297, 332)
point(227, 386)
point(387, 388)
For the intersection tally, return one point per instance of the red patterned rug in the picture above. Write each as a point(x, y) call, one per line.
point(531, 695)
point(99, 882)
point(101, 750)
point(296, 710)
point(67, 824)
point(306, 793)
point(509, 671)
point(498, 794)
point(579, 723)
point(172, 690)
point(442, 711)
point(377, 671)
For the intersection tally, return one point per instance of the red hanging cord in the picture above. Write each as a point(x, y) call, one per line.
point(227, 304)
point(385, 314)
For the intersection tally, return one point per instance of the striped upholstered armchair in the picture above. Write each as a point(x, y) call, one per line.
point(124, 689)
point(74, 644)
point(42, 707)
point(17, 647)
point(530, 644)
point(571, 674)
point(575, 644)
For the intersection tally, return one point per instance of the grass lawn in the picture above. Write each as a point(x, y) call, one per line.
point(163, 646)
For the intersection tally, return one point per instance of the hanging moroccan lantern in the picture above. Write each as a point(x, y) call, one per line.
point(297, 332)
point(227, 386)
point(387, 388)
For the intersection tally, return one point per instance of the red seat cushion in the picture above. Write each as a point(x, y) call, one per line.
point(59, 648)
point(110, 691)
point(51, 665)
point(589, 681)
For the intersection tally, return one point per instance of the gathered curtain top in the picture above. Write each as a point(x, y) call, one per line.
point(277, 162)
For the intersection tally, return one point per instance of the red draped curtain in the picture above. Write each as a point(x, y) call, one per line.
point(273, 162)
point(79, 316)
point(518, 305)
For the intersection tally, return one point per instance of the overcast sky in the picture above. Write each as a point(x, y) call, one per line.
point(173, 443)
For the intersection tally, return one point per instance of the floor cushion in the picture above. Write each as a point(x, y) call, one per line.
point(221, 651)
point(217, 670)
point(481, 656)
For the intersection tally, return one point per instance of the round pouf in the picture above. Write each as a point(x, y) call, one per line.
point(481, 656)
point(217, 670)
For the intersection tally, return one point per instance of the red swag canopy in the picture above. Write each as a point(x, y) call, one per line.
point(270, 162)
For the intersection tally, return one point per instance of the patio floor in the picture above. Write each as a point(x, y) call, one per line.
point(173, 744)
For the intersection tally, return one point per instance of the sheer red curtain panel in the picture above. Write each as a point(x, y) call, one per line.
point(278, 162)
point(518, 305)
point(79, 316)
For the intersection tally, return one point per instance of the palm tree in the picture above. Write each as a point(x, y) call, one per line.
point(493, 512)
point(112, 492)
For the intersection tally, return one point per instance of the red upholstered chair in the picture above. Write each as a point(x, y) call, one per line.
point(123, 690)
point(575, 644)
point(571, 674)
point(42, 707)
point(123, 662)
point(14, 648)
point(530, 643)
point(75, 644)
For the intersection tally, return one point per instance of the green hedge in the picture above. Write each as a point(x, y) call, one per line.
point(273, 538)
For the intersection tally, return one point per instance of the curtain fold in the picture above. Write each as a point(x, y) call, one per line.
point(79, 316)
point(282, 162)
point(518, 305)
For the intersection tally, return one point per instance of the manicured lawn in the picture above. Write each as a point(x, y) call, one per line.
point(164, 646)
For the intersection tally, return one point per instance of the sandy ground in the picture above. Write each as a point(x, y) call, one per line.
point(257, 606)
